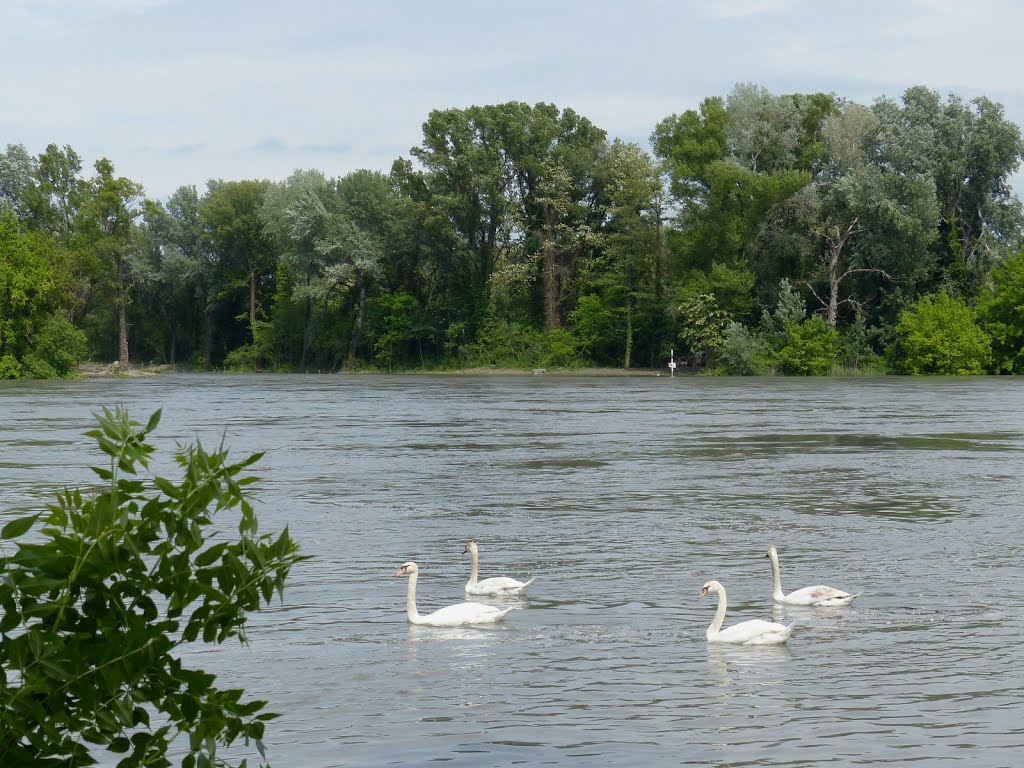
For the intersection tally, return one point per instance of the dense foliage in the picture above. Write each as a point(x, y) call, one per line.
point(97, 605)
point(518, 235)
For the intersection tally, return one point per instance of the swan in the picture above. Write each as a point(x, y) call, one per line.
point(819, 595)
point(458, 615)
point(755, 632)
point(497, 585)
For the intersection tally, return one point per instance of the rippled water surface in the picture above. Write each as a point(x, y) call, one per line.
point(622, 497)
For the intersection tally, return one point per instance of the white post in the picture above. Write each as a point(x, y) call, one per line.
point(672, 362)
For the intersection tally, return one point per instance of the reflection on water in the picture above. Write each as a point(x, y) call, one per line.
point(622, 497)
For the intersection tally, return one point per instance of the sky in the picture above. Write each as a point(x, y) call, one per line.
point(178, 92)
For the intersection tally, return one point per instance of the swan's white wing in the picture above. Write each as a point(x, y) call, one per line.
point(818, 595)
point(464, 613)
point(772, 638)
point(498, 585)
point(753, 632)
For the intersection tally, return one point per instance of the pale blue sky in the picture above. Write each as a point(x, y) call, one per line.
point(180, 91)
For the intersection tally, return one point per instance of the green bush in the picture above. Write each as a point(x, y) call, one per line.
point(57, 349)
point(99, 602)
point(561, 350)
point(243, 358)
point(938, 335)
point(506, 344)
point(809, 348)
point(10, 368)
point(743, 352)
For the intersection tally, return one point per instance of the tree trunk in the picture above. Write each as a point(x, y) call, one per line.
point(549, 252)
point(208, 341)
point(835, 244)
point(359, 325)
point(122, 318)
point(551, 315)
point(629, 334)
point(832, 312)
point(252, 305)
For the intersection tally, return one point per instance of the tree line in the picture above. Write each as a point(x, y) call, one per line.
point(795, 234)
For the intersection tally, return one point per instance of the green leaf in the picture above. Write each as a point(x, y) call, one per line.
point(211, 555)
point(17, 527)
point(154, 420)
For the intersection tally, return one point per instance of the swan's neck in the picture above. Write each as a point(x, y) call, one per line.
point(716, 623)
point(410, 600)
point(776, 575)
point(473, 567)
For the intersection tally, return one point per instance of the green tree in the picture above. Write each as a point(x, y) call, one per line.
point(874, 225)
point(17, 179)
point(515, 181)
point(938, 335)
point(629, 272)
point(173, 276)
point(58, 192)
point(702, 326)
point(243, 275)
point(100, 601)
point(1001, 314)
point(107, 228)
point(969, 150)
point(36, 339)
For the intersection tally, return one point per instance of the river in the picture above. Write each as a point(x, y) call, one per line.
point(622, 496)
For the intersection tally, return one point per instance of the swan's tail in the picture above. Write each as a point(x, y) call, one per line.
point(845, 600)
point(522, 589)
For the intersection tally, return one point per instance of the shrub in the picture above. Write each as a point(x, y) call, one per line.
point(808, 349)
point(743, 353)
point(10, 368)
point(99, 602)
point(938, 335)
point(57, 350)
point(243, 358)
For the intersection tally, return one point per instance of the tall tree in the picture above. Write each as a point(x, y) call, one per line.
point(969, 150)
point(108, 216)
point(628, 274)
point(242, 251)
point(173, 273)
point(17, 178)
point(58, 192)
point(502, 171)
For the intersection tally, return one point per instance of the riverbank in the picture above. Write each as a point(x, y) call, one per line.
point(93, 370)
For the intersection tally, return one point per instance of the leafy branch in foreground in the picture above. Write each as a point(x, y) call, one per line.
point(97, 604)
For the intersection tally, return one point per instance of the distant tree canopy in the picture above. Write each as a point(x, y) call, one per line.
point(519, 235)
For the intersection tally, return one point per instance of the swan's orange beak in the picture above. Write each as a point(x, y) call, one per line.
point(703, 593)
point(401, 571)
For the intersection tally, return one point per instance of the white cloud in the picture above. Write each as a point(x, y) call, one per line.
point(178, 92)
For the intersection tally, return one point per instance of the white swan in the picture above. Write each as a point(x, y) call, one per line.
point(819, 595)
point(755, 632)
point(496, 585)
point(458, 615)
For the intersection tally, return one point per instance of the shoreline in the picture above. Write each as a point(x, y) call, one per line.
point(94, 370)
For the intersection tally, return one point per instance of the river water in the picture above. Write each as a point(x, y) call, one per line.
point(622, 497)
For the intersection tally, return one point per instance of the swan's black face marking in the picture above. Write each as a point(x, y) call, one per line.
point(406, 569)
point(703, 592)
